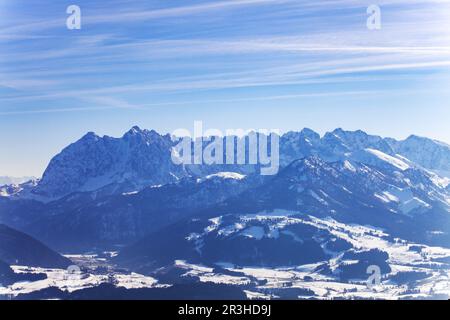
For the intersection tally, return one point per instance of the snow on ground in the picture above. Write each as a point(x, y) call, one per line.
point(442, 182)
point(404, 257)
point(386, 197)
point(320, 286)
point(389, 159)
point(267, 283)
point(226, 231)
point(77, 279)
point(59, 278)
point(135, 281)
point(349, 166)
point(130, 193)
point(252, 295)
point(224, 175)
point(206, 274)
point(254, 232)
point(361, 237)
point(318, 198)
point(406, 199)
point(412, 204)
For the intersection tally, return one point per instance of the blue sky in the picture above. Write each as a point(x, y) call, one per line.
point(274, 64)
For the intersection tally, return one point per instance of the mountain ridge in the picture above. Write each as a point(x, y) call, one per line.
point(141, 158)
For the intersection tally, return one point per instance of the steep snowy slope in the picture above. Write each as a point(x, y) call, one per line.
point(140, 158)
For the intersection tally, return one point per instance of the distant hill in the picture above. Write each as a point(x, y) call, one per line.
point(18, 248)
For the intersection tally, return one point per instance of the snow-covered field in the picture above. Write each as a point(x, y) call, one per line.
point(416, 271)
point(274, 281)
point(81, 276)
point(429, 276)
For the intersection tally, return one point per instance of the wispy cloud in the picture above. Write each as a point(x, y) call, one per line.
point(139, 15)
point(108, 67)
point(112, 103)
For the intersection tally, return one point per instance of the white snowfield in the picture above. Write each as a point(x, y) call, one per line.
point(268, 283)
point(402, 258)
point(396, 162)
point(223, 175)
point(206, 274)
point(73, 281)
point(323, 287)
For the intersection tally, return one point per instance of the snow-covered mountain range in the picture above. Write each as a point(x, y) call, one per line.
point(141, 158)
point(338, 204)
